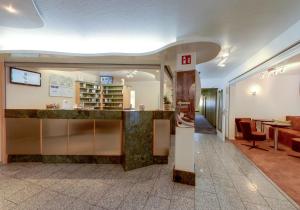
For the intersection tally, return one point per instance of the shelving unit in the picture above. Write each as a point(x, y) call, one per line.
point(88, 95)
point(103, 97)
point(112, 97)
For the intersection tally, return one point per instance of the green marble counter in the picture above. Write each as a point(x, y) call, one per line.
point(80, 114)
point(63, 114)
point(137, 129)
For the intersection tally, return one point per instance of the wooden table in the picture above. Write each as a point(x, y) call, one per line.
point(276, 126)
point(261, 122)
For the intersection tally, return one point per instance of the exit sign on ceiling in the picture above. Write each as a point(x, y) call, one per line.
point(186, 59)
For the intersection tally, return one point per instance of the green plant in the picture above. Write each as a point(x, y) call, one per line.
point(166, 100)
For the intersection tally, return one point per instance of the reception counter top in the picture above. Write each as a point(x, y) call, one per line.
point(132, 138)
point(80, 114)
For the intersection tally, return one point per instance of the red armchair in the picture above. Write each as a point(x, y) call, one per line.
point(250, 135)
point(238, 130)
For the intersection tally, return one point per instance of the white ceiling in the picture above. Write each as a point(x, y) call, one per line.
point(141, 26)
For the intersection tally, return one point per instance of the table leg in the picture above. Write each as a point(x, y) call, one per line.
point(276, 139)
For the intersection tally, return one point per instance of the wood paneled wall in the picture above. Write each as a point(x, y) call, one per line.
point(2, 107)
point(185, 92)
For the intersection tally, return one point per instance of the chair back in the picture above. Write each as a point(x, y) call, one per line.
point(246, 130)
point(237, 123)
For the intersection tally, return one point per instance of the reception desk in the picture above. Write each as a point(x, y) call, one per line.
point(132, 138)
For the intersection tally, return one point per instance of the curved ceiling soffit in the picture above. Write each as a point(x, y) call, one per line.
point(205, 51)
point(29, 10)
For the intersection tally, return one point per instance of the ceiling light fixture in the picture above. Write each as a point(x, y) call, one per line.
point(223, 61)
point(224, 58)
point(131, 74)
point(272, 72)
point(11, 9)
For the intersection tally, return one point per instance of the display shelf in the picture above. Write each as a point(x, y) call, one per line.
point(108, 100)
point(112, 94)
point(105, 97)
point(88, 94)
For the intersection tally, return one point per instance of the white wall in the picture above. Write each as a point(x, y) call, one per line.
point(29, 97)
point(147, 93)
point(276, 97)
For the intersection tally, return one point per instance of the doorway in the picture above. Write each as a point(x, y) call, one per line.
point(206, 119)
point(209, 105)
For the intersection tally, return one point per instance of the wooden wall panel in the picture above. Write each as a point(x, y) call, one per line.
point(185, 91)
point(2, 107)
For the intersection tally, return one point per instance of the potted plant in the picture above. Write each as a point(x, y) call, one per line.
point(167, 103)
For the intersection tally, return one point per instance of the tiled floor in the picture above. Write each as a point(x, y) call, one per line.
point(226, 179)
point(283, 169)
point(26, 186)
point(83, 186)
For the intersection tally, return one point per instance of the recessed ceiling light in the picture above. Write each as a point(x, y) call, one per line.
point(157, 71)
point(11, 9)
point(224, 57)
point(223, 61)
point(129, 75)
point(221, 65)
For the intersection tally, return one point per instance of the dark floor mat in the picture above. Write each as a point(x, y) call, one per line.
point(203, 126)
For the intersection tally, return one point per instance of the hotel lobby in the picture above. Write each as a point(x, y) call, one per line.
point(171, 105)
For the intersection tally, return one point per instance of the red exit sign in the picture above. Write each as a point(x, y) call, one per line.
point(186, 59)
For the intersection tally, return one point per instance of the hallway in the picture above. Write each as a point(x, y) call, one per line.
point(226, 179)
point(203, 126)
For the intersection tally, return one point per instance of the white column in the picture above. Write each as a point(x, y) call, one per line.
point(184, 149)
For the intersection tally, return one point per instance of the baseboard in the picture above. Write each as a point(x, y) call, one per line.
point(184, 177)
point(160, 159)
point(24, 158)
point(98, 159)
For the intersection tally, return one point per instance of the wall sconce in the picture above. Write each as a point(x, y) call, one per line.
point(254, 90)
